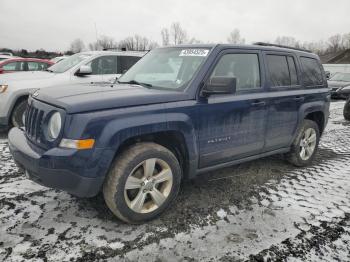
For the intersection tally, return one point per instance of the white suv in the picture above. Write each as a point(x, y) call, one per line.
point(85, 67)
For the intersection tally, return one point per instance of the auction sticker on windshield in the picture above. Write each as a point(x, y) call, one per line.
point(194, 52)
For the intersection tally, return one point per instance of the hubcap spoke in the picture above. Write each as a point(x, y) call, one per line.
point(302, 152)
point(309, 151)
point(312, 138)
point(163, 176)
point(148, 167)
point(133, 183)
point(307, 133)
point(157, 197)
point(138, 202)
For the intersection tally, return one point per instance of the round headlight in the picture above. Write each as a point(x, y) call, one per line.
point(54, 126)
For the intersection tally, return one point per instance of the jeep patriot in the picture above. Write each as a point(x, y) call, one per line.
point(178, 112)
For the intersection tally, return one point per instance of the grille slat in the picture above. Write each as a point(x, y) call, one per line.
point(33, 123)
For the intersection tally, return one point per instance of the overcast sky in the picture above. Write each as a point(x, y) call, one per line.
point(52, 25)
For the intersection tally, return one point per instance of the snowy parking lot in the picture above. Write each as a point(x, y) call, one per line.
point(261, 209)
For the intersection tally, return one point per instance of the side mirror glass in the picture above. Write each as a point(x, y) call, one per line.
point(220, 85)
point(84, 70)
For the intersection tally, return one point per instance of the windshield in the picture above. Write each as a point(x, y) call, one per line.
point(68, 63)
point(345, 77)
point(166, 68)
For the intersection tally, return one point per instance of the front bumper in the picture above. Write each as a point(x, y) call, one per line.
point(64, 169)
point(3, 122)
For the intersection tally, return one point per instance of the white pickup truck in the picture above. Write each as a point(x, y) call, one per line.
point(85, 67)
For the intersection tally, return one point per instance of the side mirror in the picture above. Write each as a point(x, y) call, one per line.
point(220, 85)
point(328, 74)
point(84, 70)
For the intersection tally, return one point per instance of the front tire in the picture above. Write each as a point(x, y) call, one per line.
point(305, 144)
point(143, 181)
point(17, 117)
point(346, 111)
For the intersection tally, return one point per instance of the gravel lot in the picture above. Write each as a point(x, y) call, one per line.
point(265, 209)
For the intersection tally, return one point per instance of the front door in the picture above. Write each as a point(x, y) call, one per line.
point(232, 126)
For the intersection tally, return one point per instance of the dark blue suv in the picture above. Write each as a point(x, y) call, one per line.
point(178, 112)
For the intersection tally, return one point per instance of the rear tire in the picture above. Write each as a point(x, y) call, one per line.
point(346, 111)
point(134, 190)
point(305, 144)
point(17, 117)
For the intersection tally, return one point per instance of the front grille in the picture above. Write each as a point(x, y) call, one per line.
point(33, 123)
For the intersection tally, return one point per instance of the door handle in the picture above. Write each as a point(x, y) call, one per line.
point(299, 98)
point(258, 103)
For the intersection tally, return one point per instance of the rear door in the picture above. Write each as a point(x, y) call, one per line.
point(284, 99)
point(232, 126)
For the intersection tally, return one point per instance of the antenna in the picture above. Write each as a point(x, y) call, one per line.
point(96, 31)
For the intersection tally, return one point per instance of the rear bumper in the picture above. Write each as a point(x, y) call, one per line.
point(58, 168)
point(339, 93)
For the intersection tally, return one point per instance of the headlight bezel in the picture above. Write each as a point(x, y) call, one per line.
point(54, 126)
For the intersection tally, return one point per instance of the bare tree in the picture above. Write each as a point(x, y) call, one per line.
point(77, 46)
point(194, 41)
point(287, 41)
point(137, 43)
point(165, 37)
point(235, 37)
point(104, 42)
point(335, 43)
point(107, 42)
point(178, 34)
point(346, 40)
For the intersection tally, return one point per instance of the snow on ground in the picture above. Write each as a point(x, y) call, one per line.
point(265, 209)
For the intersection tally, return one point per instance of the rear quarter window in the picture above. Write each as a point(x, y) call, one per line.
point(311, 72)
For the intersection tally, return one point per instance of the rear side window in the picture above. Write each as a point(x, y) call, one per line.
point(244, 67)
point(311, 72)
point(14, 66)
point(282, 70)
point(125, 62)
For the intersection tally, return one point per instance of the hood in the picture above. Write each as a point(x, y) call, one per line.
point(24, 76)
point(81, 98)
point(338, 84)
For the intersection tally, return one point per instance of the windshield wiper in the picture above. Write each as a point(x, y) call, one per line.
point(134, 82)
point(48, 70)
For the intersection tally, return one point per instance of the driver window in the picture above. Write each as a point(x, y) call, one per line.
point(244, 67)
point(104, 65)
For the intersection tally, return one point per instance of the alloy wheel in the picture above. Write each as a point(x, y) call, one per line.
point(148, 185)
point(308, 144)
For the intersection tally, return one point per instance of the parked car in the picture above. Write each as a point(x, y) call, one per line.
point(58, 59)
point(15, 65)
point(346, 111)
point(179, 112)
point(4, 57)
point(6, 54)
point(86, 67)
point(340, 85)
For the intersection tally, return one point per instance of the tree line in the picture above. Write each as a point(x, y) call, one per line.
point(175, 34)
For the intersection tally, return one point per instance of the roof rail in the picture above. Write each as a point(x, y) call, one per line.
point(282, 46)
point(123, 49)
